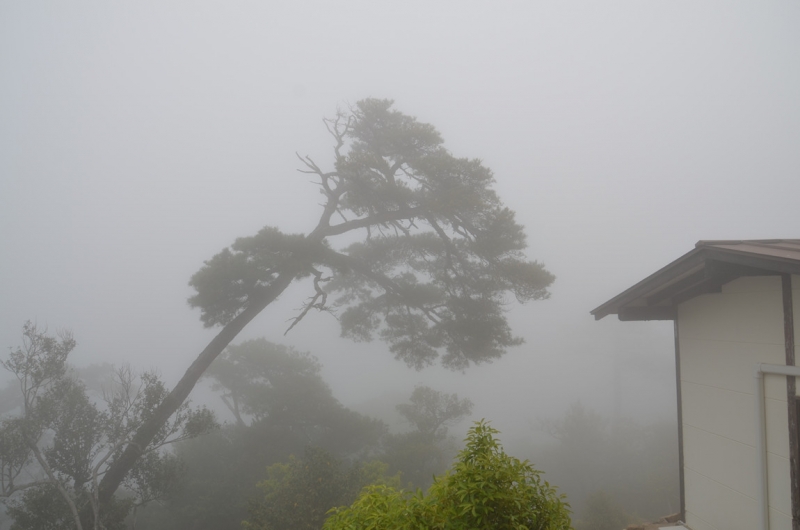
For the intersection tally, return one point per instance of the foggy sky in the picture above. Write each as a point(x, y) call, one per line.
point(138, 140)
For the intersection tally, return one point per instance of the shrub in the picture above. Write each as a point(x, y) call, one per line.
point(485, 489)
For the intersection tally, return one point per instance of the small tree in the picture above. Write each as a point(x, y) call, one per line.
point(426, 450)
point(486, 489)
point(262, 379)
point(431, 411)
point(275, 388)
point(54, 451)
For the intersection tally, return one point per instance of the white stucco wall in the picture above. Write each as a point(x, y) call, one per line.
point(796, 310)
point(722, 337)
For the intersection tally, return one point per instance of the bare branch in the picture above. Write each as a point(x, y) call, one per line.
point(376, 219)
point(319, 294)
point(339, 131)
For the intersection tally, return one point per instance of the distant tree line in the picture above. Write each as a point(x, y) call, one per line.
point(289, 434)
point(614, 471)
point(290, 453)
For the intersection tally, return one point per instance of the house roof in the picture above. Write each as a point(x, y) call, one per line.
point(705, 269)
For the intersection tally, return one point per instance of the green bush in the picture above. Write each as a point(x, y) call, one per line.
point(485, 489)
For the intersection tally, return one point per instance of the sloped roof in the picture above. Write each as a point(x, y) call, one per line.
point(705, 269)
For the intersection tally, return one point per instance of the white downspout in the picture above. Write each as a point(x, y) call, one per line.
point(761, 431)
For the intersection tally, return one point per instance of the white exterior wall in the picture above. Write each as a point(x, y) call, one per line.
point(796, 311)
point(722, 336)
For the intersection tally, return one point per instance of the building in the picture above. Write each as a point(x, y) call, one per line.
point(733, 305)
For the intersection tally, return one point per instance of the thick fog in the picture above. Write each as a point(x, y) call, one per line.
point(138, 140)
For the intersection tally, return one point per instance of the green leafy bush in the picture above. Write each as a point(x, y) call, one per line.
point(485, 489)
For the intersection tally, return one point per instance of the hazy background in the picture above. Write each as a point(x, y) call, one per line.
point(137, 140)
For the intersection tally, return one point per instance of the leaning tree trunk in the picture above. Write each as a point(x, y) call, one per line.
point(145, 434)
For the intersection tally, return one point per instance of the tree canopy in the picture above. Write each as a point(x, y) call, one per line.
point(426, 450)
point(283, 407)
point(436, 258)
point(431, 411)
point(439, 250)
point(282, 392)
point(262, 379)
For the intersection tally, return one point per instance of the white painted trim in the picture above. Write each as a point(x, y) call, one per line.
point(761, 370)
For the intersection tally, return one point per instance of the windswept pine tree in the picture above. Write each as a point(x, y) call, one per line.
point(437, 257)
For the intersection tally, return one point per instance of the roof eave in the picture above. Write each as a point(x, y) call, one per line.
point(702, 270)
point(672, 270)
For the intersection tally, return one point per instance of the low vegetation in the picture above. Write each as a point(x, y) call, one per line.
point(485, 489)
point(292, 456)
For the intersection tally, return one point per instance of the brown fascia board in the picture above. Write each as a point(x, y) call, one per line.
point(662, 276)
point(704, 252)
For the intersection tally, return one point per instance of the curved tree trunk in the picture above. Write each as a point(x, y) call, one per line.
point(145, 434)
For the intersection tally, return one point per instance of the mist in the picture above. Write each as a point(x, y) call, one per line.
point(137, 141)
